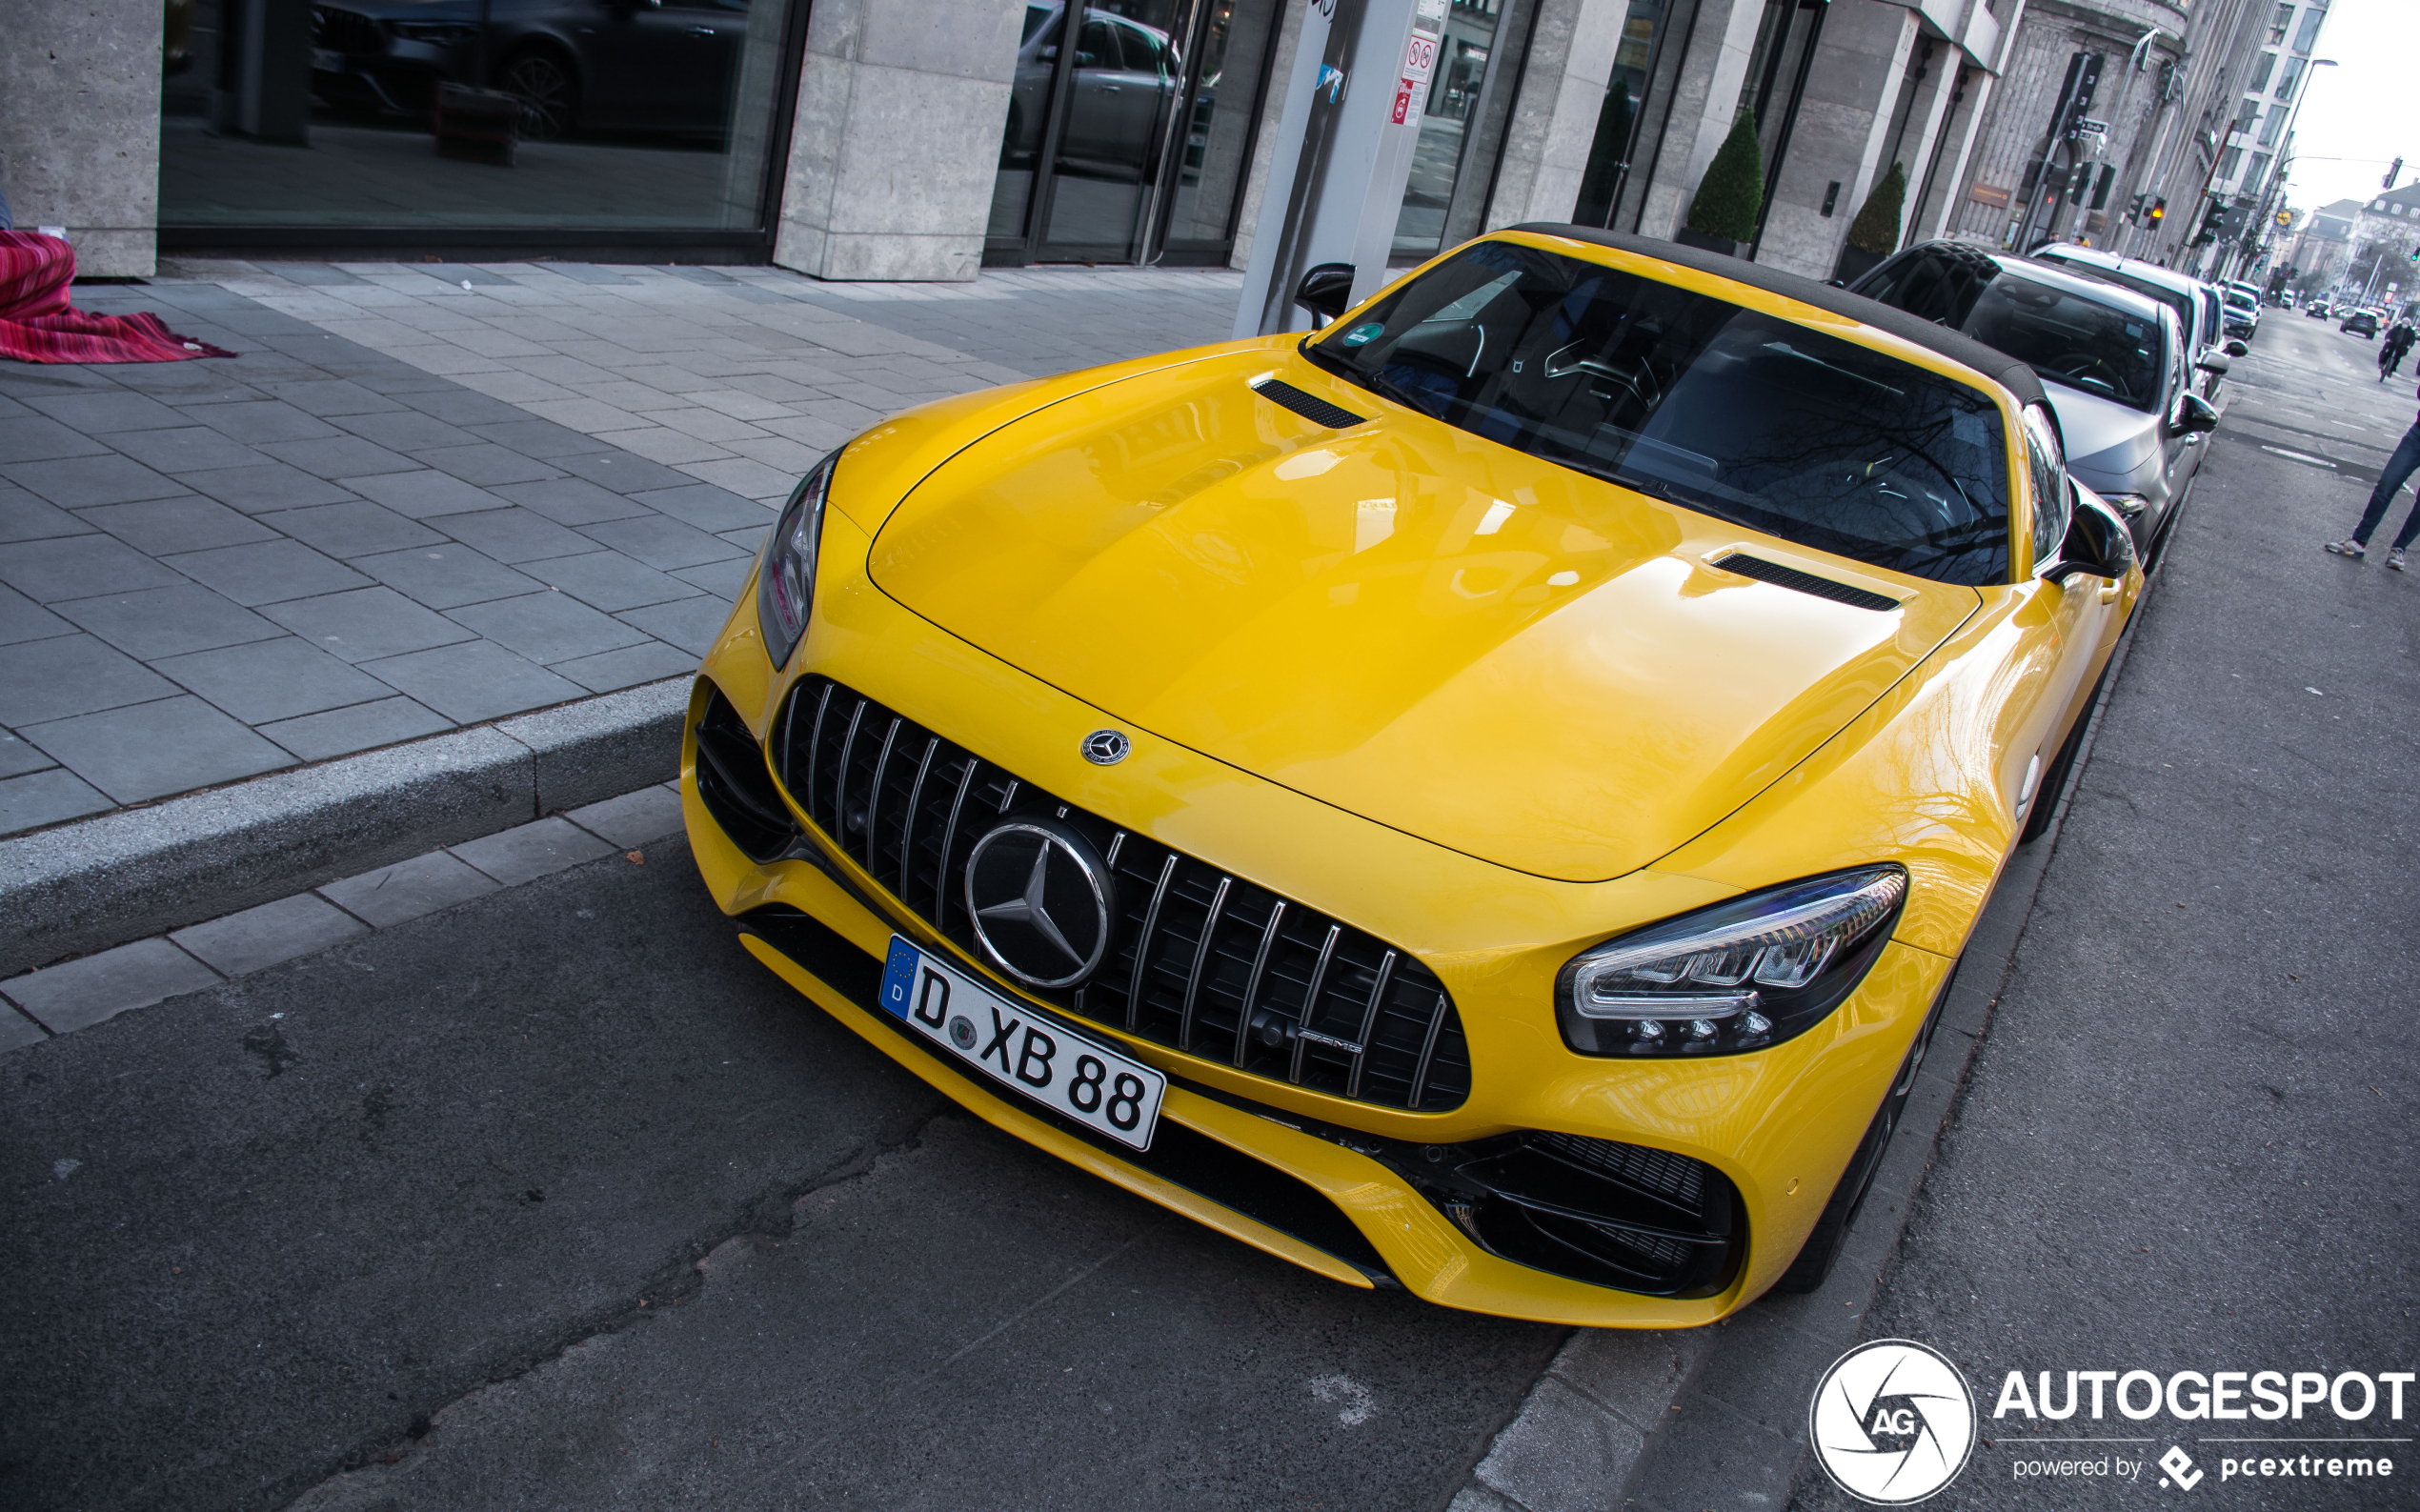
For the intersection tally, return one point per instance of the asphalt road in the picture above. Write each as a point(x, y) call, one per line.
point(434, 1204)
point(2187, 1142)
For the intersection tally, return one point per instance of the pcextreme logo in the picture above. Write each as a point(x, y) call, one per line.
point(1892, 1422)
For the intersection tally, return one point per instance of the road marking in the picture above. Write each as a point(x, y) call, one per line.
point(2299, 456)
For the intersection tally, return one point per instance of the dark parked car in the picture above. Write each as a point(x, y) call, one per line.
point(663, 65)
point(2316, 310)
point(2361, 323)
point(2111, 360)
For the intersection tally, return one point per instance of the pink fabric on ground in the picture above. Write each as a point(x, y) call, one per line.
point(37, 324)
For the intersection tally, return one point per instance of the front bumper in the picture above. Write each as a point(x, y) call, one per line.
point(1333, 1184)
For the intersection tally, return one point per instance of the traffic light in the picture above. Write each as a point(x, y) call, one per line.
point(2134, 211)
point(2159, 212)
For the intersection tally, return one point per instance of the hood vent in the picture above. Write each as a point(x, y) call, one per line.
point(1309, 406)
point(1781, 577)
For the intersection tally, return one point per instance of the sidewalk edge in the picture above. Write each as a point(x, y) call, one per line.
point(84, 887)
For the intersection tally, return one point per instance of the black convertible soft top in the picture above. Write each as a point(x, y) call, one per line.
point(1989, 361)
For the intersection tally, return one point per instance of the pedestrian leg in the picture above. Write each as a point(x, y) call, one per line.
point(2399, 467)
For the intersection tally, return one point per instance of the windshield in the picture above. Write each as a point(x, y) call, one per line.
point(2080, 342)
point(2177, 299)
point(1694, 400)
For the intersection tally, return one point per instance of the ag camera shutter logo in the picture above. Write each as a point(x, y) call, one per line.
point(1892, 1422)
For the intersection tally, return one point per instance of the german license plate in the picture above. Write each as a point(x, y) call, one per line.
point(1067, 1072)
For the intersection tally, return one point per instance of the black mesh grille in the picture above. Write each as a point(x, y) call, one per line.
point(1309, 406)
point(734, 786)
point(1781, 577)
point(1200, 960)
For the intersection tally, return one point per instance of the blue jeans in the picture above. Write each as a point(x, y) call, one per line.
point(2401, 466)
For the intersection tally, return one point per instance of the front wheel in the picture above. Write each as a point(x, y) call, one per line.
point(1816, 1257)
point(548, 93)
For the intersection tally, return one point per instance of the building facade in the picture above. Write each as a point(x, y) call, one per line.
point(856, 140)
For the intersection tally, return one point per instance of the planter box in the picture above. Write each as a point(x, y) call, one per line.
point(1713, 244)
point(483, 126)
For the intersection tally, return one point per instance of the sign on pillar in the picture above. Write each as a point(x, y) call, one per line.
point(1346, 139)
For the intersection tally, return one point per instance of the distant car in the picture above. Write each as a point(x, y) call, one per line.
point(2242, 317)
point(2199, 312)
point(2113, 361)
point(2316, 310)
point(664, 66)
point(2361, 323)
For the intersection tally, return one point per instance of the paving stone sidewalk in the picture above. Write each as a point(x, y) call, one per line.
point(412, 505)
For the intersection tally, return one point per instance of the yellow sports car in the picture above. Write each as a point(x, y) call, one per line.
point(1487, 797)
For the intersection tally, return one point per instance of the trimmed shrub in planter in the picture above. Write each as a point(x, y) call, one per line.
point(1732, 193)
point(1874, 234)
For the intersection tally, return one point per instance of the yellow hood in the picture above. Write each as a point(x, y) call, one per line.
point(1400, 618)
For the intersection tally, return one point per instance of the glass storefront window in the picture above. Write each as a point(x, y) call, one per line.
point(580, 115)
point(1132, 144)
point(1469, 94)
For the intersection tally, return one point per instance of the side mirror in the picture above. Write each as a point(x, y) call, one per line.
point(2213, 360)
point(2097, 545)
point(2193, 416)
point(2237, 349)
point(1327, 291)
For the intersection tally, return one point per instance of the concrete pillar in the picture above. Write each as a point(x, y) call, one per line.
point(1926, 124)
point(1928, 218)
point(80, 127)
point(1554, 118)
point(1705, 99)
point(1844, 126)
point(894, 150)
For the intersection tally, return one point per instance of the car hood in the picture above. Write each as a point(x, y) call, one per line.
point(1399, 619)
point(2103, 438)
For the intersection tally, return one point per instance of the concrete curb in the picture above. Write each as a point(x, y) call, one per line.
point(84, 887)
point(1713, 1420)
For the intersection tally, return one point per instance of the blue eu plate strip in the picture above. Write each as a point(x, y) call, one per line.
point(898, 977)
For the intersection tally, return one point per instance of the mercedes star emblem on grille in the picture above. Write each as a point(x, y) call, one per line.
point(1041, 899)
point(1106, 747)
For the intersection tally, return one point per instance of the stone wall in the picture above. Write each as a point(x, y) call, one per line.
point(80, 126)
point(894, 150)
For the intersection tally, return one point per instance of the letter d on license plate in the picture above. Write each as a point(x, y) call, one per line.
point(1071, 1074)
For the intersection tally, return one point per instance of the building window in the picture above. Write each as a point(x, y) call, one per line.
point(2309, 36)
point(2227, 162)
point(2269, 127)
point(2245, 113)
point(2261, 72)
point(2259, 174)
point(2277, 27)
point(2287, 80)
point(661, 118)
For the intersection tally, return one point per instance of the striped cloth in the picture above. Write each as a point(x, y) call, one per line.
point(39, 325)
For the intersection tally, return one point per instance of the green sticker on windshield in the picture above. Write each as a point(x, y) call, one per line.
point(1361, 333)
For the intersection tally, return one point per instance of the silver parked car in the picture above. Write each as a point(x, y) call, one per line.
point(2199, 307)
point(2113, 361)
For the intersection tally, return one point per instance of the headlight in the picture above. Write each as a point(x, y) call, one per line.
point(785, 579)
point(1742, 975)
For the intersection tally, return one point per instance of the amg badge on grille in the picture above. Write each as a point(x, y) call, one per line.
point(1041, 899)
point(1106, 747)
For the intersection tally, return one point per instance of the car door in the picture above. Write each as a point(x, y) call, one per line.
point(2066, 627)
point(2180, 454)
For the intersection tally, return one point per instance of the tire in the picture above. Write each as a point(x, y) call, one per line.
point(1816, 1257)
point(548, 89)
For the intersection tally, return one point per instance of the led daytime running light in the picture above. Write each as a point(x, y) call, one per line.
point(785, 577)
point(1777, 942)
